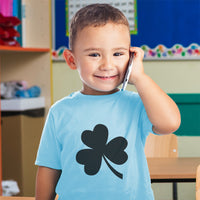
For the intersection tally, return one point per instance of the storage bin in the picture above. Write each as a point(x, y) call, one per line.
point(22, 123)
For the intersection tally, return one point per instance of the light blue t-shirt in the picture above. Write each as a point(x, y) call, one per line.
point(98, 143)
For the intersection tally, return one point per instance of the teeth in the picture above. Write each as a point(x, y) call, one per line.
point(106, 76)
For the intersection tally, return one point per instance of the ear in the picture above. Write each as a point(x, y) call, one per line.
point(69, 58)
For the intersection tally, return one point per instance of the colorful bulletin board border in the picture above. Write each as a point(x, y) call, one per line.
point(176, 52)
point(128, 7)
point(159, 53)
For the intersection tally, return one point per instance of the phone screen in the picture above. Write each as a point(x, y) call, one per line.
point(128, 72)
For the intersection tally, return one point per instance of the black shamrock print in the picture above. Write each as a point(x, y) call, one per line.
point(96, 140)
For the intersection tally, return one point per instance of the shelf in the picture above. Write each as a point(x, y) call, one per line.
point(31, 63)
point(21, 49)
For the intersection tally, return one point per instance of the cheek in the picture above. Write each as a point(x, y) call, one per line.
point(123, 69)
point(122, 60)
point(123, 66)
point(84, 70)
point(86, 66)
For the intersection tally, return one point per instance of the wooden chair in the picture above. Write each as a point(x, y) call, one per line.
point(198, 183)
point(162, 146)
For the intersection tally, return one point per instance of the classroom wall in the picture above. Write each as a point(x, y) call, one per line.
point(173, 77)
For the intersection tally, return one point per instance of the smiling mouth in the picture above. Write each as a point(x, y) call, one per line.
point(106, 77)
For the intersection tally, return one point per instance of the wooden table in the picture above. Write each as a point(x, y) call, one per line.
point(173, 170)
point(17, 198)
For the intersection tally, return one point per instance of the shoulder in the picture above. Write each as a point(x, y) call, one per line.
point(130, 95)
point(64, 103)
point(131, 100)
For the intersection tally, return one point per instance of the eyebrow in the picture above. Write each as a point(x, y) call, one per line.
point(114, 49)
point(121, 48)
point(92, 49)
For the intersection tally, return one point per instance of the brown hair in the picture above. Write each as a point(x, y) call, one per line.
point(94, 15)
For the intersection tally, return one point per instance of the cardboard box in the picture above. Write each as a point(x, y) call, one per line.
point(21, 132)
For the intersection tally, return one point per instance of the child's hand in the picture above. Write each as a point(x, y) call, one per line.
point(138, 69)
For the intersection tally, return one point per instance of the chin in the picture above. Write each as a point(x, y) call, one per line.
point(108, 91)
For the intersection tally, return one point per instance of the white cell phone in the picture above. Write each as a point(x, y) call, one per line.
point(128, 72)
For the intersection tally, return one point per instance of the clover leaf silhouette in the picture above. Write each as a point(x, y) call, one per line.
point(96, 140)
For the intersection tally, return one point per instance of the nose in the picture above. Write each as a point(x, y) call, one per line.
point(106, 64)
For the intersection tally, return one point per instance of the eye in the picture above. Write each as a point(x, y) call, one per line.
point(94, 54)
point(117, 54)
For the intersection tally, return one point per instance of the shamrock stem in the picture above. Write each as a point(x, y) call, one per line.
point(112, 169)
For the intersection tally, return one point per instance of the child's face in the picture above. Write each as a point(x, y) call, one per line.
point(101, 56)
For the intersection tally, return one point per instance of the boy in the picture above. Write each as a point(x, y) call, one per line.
point(92, 147)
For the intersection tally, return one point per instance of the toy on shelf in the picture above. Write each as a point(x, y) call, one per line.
point(18, 89)
point(8, 32)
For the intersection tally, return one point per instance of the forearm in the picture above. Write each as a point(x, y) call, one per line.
point(161, 109)
point(46, 181)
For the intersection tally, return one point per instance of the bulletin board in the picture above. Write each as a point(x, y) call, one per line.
point(127, 6)
point(164, 29)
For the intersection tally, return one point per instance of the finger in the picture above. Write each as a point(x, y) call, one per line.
point(138, 52)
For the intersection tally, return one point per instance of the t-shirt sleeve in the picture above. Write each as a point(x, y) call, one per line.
point(48, 154)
